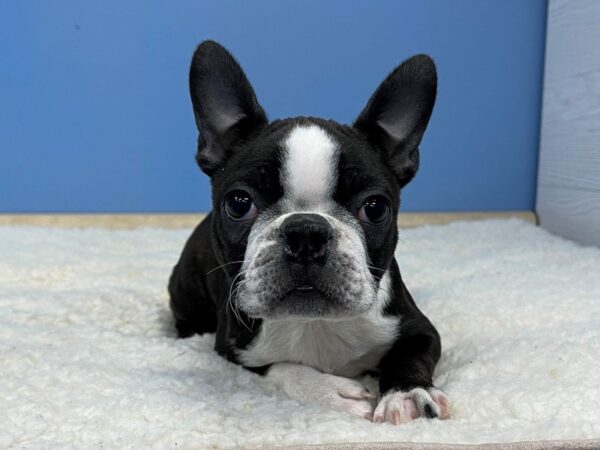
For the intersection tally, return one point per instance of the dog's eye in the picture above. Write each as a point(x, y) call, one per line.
point(239, 206)
point(376, 209)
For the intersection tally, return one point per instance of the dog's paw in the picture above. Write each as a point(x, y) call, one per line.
point(307, 384)
point(346, 395)
point(400, 407)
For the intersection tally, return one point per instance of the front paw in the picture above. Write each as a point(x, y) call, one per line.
point(307, 384)
point(346, 395)
point(399, 407)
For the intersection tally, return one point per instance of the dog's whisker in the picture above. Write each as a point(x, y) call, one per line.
point(232, 304)
point(380, 287)
point(376, 268)
point(223, 265)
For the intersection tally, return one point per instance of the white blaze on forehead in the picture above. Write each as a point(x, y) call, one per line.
point(309, 165)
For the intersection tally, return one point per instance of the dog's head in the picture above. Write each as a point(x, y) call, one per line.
point(304, 209)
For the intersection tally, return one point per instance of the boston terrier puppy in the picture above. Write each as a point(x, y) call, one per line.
point(294, 268)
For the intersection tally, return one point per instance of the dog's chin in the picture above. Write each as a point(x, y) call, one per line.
point(307, 303)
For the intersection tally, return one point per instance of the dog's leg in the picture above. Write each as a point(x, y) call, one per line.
point(192, 311)
point(406, 376)
point(306, 384)
point(191, 300)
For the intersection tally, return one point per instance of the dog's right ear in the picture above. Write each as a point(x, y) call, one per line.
point(225, 105)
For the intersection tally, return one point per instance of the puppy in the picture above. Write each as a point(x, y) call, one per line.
point(294, 268)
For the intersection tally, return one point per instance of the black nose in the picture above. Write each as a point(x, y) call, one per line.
point(306, 237)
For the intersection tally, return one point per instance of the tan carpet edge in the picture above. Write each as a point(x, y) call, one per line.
point(129, 221)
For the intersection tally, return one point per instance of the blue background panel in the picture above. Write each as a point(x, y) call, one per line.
point(95, 114)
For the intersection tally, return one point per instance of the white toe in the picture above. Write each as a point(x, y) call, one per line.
point(400, 407)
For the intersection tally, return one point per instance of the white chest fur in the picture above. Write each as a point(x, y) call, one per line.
point(343, 347)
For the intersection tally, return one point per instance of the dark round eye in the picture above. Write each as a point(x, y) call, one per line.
point(375, 209)
point(239, 206)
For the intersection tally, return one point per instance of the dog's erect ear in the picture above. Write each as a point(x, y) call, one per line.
point(225, 105)
point(397, 114)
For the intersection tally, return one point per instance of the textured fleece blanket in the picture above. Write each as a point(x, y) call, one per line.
point(88, 356)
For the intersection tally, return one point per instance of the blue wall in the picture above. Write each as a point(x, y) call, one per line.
point(95, 114)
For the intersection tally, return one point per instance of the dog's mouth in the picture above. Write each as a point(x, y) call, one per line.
point(305, 288)
point(303, 300)
point(303, 293)
point(306, 300)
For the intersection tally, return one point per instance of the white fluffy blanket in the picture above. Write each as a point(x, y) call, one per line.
point(88, 356)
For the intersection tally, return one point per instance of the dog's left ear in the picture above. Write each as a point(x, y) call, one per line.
point(397, 114)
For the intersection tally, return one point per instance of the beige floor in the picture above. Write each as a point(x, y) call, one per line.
point(583, 444)
point(126, 221)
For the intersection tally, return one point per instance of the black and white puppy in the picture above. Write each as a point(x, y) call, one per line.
point(294, 267)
